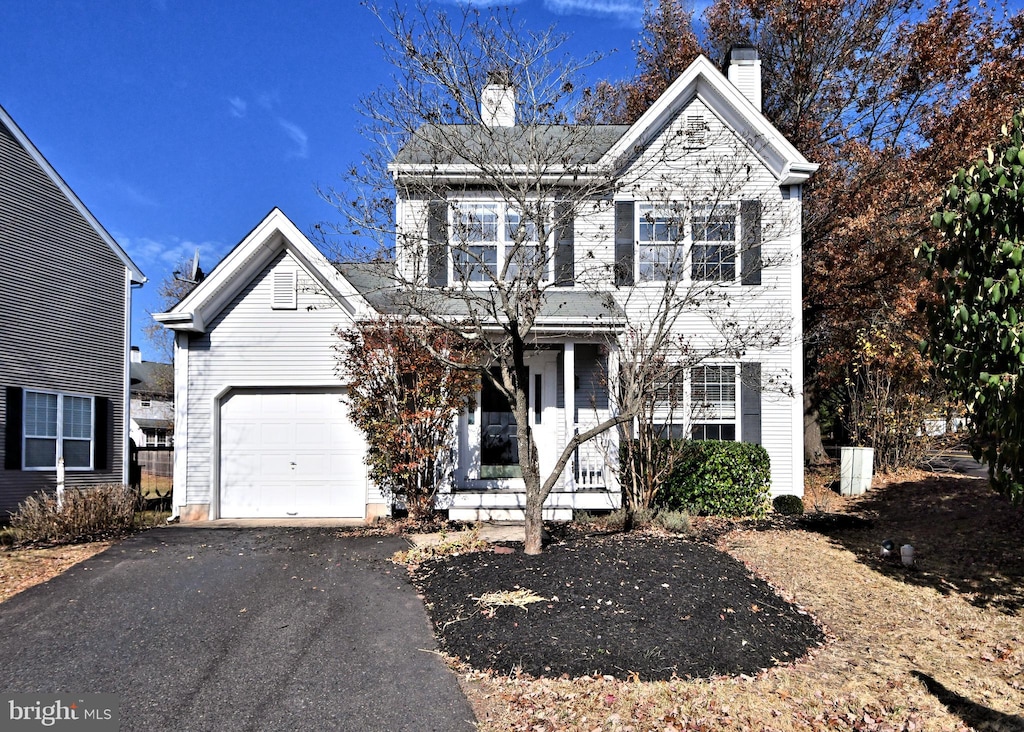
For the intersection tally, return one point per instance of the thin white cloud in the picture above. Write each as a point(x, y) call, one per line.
point(626, 10)
point(238, 106)
point(158, 257)
point(298, 136)
point(128, 193)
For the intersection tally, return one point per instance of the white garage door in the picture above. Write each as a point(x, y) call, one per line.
point(291, 454)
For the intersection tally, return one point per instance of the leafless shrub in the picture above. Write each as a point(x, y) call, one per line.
point(86, 514)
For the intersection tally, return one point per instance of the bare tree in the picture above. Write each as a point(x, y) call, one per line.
point(476, 183)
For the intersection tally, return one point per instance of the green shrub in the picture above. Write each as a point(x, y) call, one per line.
point(88, 514)
point(711, 478)
point(788, 505)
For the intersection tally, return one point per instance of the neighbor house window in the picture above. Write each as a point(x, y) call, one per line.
point(58, 426)
point(156, 437)
point(713, 402)
point(714, 242)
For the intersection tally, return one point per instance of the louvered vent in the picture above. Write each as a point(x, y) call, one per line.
point(284, 296)
point(696, 131)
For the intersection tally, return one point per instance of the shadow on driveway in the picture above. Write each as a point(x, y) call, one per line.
point(237, 629)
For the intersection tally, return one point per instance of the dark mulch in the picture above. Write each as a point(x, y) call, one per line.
point(616, 605)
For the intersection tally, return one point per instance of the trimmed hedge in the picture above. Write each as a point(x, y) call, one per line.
point(712, 478)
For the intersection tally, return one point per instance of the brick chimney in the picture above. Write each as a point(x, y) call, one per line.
point(744, 72)
point(136, 354)
point(498, 101)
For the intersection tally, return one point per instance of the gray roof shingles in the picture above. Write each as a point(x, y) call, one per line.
point(562, 305)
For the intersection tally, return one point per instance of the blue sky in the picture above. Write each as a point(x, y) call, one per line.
point(181, 123)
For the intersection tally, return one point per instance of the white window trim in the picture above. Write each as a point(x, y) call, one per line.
point(25, 437)
point(503, 243)
point(684, 244)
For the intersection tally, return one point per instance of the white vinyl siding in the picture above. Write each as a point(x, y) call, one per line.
point(251, 345)
point(774, 303)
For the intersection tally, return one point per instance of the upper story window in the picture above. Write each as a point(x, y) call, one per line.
point(705, 235)
point(714, 242)
point(489, 238)
point(58, 426)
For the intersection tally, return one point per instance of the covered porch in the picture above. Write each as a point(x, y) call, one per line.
point(568, 394)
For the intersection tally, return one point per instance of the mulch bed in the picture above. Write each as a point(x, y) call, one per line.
point(629, 606)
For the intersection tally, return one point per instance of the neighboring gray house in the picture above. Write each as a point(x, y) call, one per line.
point(65, 324)
point(152, 402)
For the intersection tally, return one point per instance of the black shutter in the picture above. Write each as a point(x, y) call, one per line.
point(437, 244)
point(13, 428)
point(750, 243)
point(565, 275)
point(624, 243)
point(103, 433)
point(750, 402)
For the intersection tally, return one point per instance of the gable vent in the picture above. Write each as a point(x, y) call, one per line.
point(284, 295)
point(696, 131)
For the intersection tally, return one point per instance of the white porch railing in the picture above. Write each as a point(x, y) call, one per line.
point(590, 464)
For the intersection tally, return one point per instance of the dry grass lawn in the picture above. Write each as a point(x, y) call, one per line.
point(22, 568)
point(936, 647)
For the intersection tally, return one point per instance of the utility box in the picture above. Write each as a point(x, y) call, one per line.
point(856, 466)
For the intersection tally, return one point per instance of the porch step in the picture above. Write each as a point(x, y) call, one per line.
point(505, 514)
point(500, 505)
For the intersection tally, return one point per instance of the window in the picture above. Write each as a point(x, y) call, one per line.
point(489, 236)
point(476, 234)
point(714, 242)
point(661, 242)
point(713, 400)
point(57, 426)
point(156, 437)
point(665, 232)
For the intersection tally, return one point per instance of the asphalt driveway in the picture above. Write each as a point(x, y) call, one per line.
point(237, 629)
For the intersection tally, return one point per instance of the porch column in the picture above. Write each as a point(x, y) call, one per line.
point(569, 413)
point(612, 458)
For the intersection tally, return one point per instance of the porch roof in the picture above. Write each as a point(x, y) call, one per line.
point(562, 308)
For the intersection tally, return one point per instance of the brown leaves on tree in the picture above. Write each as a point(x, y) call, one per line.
point(407, 383)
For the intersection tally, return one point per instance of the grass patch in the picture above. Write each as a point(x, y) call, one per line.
point(447, 545)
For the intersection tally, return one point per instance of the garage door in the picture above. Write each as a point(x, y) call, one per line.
point(290, 454)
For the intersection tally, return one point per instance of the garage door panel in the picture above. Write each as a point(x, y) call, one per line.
point(290, 454)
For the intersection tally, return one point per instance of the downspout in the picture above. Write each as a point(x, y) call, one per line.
point(126, 376)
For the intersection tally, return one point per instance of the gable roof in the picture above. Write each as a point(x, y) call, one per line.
point(460, 149)
point(274, 234)
point(22, 139)
point(703, 79)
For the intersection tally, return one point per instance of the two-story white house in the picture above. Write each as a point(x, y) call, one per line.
point(693, 210)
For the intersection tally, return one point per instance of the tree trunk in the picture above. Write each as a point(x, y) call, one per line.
point(814, 449)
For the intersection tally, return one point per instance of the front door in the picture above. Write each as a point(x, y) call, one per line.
point(498, 441)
